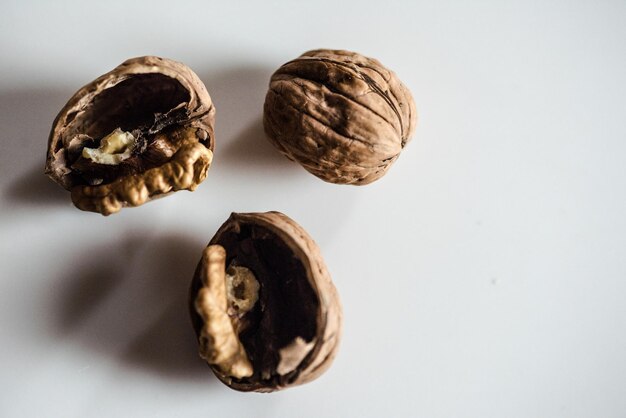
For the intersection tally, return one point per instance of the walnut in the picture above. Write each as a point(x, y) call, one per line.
point(142, 130)
point(263, 306)
point(344, 117)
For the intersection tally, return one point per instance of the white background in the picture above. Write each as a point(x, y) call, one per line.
point(483, 276)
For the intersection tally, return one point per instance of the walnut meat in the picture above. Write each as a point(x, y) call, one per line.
point(263, 306)
point(142, 130)
point(342, 116)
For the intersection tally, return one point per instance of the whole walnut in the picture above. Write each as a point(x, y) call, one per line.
point(344, 117)
point(142, 130)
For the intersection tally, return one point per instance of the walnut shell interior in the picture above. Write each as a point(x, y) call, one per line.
point(343, 116)
point(167, 113)
point(291, 334)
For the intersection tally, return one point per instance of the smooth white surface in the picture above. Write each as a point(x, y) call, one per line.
point(484, 276)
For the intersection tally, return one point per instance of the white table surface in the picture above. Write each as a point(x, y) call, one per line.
point(484, 276)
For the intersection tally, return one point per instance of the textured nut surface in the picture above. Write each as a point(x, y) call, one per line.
point(142, 130)
point(219, 343)
point(291, 331)
point(344, 117)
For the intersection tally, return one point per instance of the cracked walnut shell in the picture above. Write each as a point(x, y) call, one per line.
point(343, 116)
point(140, 131)
point(263, 306)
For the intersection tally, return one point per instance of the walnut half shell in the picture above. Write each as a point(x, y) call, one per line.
point(142, 130)
point(343, 116)
point(263, 306)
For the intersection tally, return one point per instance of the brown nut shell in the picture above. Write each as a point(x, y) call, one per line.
point(167, 117)
point(282, 331)
point(343, 116)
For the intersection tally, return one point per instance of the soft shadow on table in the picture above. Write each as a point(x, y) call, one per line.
point(251, 149)
point(36, 189)
point(127, 300)
point(26, 118)
point(239, 94)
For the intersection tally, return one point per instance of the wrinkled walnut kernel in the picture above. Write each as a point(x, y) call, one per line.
point(222, 301)
point(187, 168)
point(219, 343)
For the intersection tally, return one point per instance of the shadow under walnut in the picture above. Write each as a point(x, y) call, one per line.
point(131, 306)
